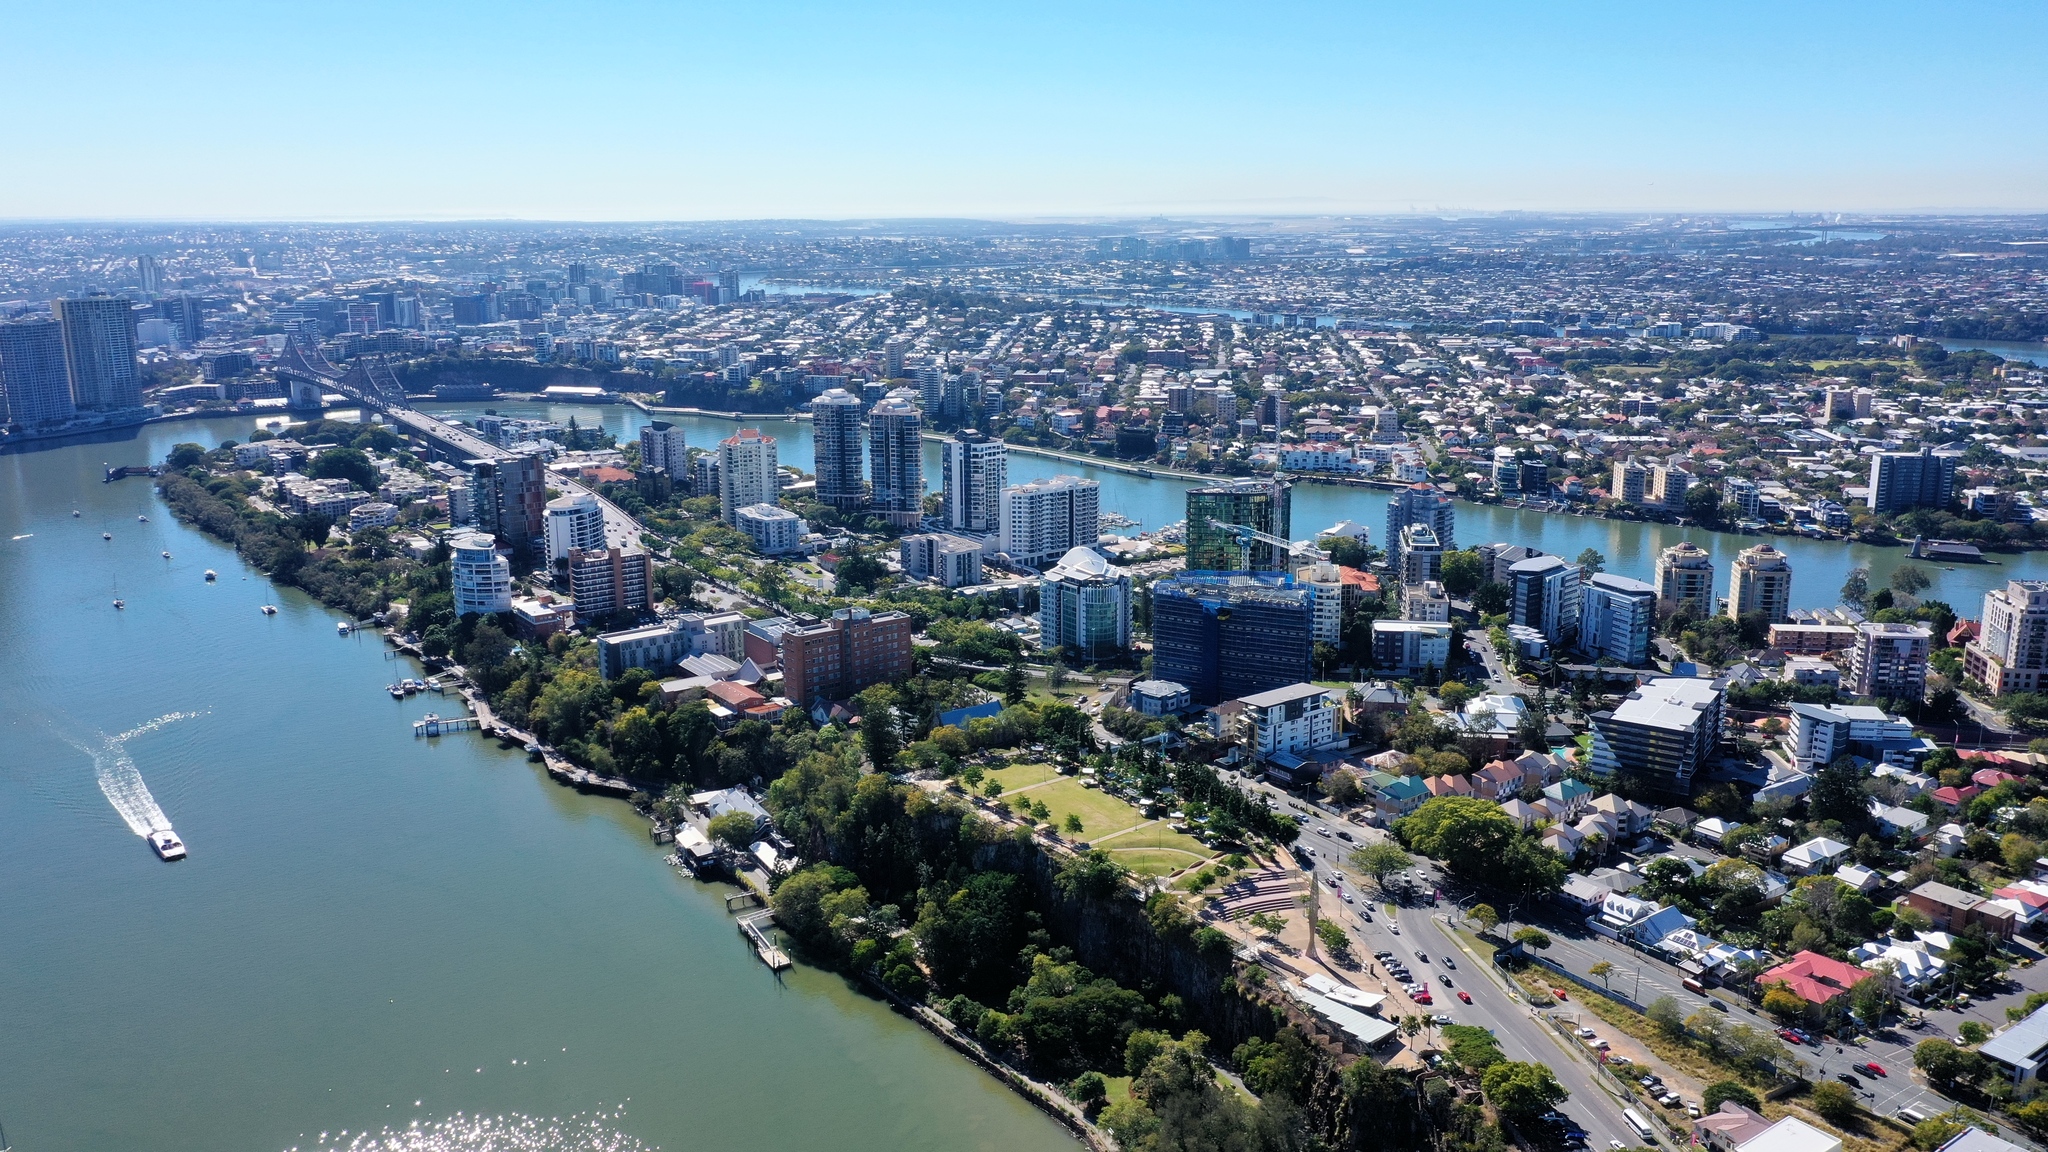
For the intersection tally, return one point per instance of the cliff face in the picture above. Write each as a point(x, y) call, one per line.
point(1117, 938)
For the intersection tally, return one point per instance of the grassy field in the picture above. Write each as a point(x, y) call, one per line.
point(1023, 776)
point(1100, 814)
point(1149, 848)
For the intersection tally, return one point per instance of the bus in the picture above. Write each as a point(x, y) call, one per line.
point(1642, 1126)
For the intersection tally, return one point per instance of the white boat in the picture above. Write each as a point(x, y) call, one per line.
point(74, 513)
point(120, 603)
point(142, 519)
point(167, 555)
point(269, 609)
point(167, 844)
point(211, 575)
point(341, 627)
point(397, 690)
point(106, 535)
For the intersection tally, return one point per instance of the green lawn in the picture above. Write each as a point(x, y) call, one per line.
point(1023, 776)
point(1100, 813)
point(1151, 861)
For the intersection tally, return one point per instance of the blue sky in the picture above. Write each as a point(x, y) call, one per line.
point(640, 111)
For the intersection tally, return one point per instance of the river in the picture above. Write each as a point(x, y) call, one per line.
point(1819, 567)
point(372, 932)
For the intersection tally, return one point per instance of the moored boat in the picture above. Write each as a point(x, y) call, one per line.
point(269, 609)
point(211, 575)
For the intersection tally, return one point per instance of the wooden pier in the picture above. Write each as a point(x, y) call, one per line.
point(750, 927)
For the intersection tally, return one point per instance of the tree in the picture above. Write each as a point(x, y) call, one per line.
point(1482, 845)
point(1703, 503)
point(1088, 1089)
point(1531, 937)
point(348, 464)
point(1485, 916)
point(1973, 1032)
point(1455, 694)
point(1491, 598)
point(735, 830)
point(1073, 824)
point(1015, 683)
point(1856, 589)
point(311, 527)
point(1591, 562)
point(1333, 937)
point(1266, 923)
point(1833, 1102)
point(1945, 1064)
point(1784, 1003)
point(1342, 788)
point(1380, 861)
point(1727, 1090)
point(1837, 794)
point(1669, 1018)
point(1463, 572)
point(1522, 1090)
point(184, 456)
point(1909, 580)
point(1601, 971)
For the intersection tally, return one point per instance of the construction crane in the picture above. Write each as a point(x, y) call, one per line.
point(1246, 536)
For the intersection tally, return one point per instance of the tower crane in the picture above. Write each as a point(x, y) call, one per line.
point(1247, 536)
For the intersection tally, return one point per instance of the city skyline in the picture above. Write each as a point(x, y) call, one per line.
point(913, 111)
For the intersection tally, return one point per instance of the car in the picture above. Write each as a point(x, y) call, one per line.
point(1343, 835)
point(1394, 928)
point(1365, 915)
point(1422, 998)
point(1587, 1033)
point(1788, 1036)
point(1849, 1079)
point(1601, 1045)
point(1615, 1145)
point(1692, 1110)
point(1559, 993)
point(1464, 995)
point(1322, 831)
point(1871, 1068)
point(1383, 954)
point(1420, 956)
point(1721, 1005)
point(1332, 880)
point(1669, 1100)
point(1450, 963)
point(1649, 1081)
point(1443, 1019)
point(1447, 981)
point(1347, 897)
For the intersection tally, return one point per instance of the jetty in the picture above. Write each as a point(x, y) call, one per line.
point(125, 471)
point(435, 725)
point(764, 947)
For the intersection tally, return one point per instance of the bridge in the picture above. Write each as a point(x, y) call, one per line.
point(370, 382)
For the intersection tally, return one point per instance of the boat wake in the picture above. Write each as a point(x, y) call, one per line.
point(122, 783)
point(584, 1132)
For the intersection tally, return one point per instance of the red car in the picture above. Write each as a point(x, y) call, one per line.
point(1790, 1037)
point(1465, 996)
point(1422, 998)
point(1873, 1069)
point(1559, 993)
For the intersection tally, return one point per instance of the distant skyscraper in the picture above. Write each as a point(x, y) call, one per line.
point(892, 356)
point(579, 273)
point(1261, 505)
point(1760, 581)
point(931, 388)
point(1685, 577)
point(1900, 481)
point(1420, 504)
point(183, 311)
point(975, 470)
point(896, 459)
point(836, 444)
point(746, 473)
point(149, 274)
point(99, 352)
point(32, 374)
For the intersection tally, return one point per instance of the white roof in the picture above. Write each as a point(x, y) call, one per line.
point(1673, 703)
point(1287, 695)
point(1079, 561)
point(1792, 1135)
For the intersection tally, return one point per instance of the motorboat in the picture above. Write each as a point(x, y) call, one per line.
point(106, 535)
point(397, 690)
point(211, 575)
point(342, 627)
point(269, 609)
point(167, 844)
point(142, 519)
point(75, 513)
point(120, 603)
point(166, 555)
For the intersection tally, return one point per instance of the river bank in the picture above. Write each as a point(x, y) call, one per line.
point(372, 930)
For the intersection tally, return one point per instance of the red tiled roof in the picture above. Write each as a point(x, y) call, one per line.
point(604, 474)
point(1360, 579)
point(1813, 977)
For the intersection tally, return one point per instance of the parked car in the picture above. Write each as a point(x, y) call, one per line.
point(1692, 1110)
point(1559, 993)
point(1586, 1033)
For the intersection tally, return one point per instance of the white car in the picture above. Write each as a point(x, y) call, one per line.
point(1586, 1033)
